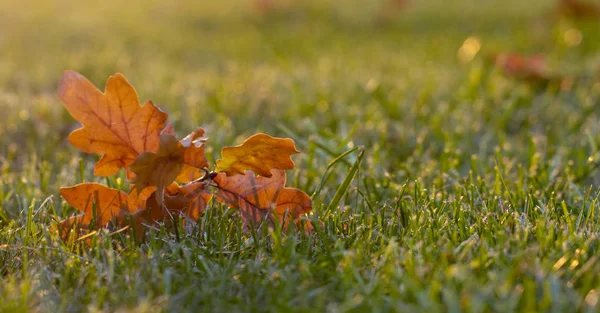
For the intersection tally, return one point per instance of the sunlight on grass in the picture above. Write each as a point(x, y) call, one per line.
point(442, 183)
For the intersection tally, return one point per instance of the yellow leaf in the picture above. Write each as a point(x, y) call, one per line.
point(260, 153)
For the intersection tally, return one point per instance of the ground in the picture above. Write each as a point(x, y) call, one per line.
point(464, 190)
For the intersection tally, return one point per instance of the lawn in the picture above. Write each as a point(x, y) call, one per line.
point(463, 189)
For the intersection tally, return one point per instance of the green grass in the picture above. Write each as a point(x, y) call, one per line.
point(473, 193)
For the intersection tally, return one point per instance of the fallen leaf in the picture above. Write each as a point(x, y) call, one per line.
point(194, 158)
point(97, 202)
point(103, 205)
point(578, 9)
point(114, 123)
point(196, 198)
point(532, 69)
point(259, 153)
point(272, 7)
point(137, 198)
point(169, 130)
point(136, 137)
point(71, 224)
point(258, 198)
point(174, 160)
point(159, 169)
point(190, 200)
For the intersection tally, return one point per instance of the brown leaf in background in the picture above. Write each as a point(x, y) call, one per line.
point(114, 123)
point(529, 68)
point(578, 9)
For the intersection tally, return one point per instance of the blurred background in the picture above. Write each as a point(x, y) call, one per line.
point(396, 76)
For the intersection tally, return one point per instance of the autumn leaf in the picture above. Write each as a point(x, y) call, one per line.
point(529, 68)
point(103, 205)
point(181, 160)
point(97, 202)
point(71, 224)
point(258, 198)
point(578, 9)
point(161, 168)
point(114, 123)
point(190, 200)
point(169, 130)
point(194, 158)
point(259, 153)
point(129, 135)
point(196, 198)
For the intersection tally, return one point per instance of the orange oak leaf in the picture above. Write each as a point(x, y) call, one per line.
point(71, 224)
point(174, 160)
point(259, 153)
point(196, 198)
point(98, 203)
point(114, 123)
point(190, 200)
point(101, 205)
point(194, 158)
point(158, 169)
point(258, 198)
point(137, 198)
point(168, 130)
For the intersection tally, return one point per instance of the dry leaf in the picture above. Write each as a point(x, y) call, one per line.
point(390, 10)
point(259, 153)
point(258, 198)
point(194, 158)
point(175, 160)
point(578, 9)
point(137, 199)
point(97, 202)
point(114, 123)
point(529, 68)
point(190, 200)
point(161, 168)
point(136, 137)
point(114, 205)
point(71, 224)
point(169, 130)
point(268, 7)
